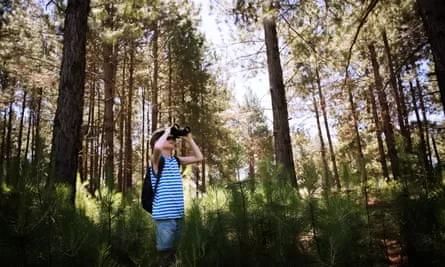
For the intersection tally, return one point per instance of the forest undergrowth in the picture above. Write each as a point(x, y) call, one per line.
point(249, 223)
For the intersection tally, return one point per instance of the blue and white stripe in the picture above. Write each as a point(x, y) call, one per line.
point(169, 198)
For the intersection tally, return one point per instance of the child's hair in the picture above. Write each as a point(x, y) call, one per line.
point(155, 136)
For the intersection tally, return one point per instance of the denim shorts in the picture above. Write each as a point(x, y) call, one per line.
point(168, 233)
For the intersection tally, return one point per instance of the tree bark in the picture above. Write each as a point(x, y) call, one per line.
point(37, 146)
point(148, 150)
point(121, 134)
point(90, 135)
point(66, 140)
point(99, 145)
point(251, 163)
point(283, 146)
point(328, 132)
point(387, 125)
point(128, 166)
point(8, 150)
point(90, 131)
point(109, 66)
point(3, 146)
point(423, 149)
point(361, 157)
point(203, 175)
point(94, 158)
point(154, 88)
point(424, 121)
point(28, 135)
point(21, 126)
point(433, 16)
point(143, 135)
point(436, 153)
point(170, 84)
point(403, 102)
point(84, 163)
point(378, 132)
point(121, 151)
point(326, 176)
point(395, 92)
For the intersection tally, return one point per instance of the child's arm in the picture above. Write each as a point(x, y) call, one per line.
point(157, 149)
point(197, 155)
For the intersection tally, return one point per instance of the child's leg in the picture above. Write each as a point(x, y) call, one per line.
point(166, 257)
point(166, 238)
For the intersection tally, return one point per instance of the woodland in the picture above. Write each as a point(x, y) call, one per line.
point(343, 169)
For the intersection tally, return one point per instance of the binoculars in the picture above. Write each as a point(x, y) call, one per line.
point(177, 131)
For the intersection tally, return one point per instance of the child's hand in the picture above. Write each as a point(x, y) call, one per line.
point(187, 137)
point(168, 130)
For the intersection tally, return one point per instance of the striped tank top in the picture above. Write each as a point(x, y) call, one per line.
point(169, 199)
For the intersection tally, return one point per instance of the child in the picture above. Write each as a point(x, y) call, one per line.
point(168, 203)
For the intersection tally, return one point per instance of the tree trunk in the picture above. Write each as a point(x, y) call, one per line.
point(93, 165)
point(85, 131)
point(66, 140)
point(128, 166)
point(203, 175)
point(251, 162)
point(89, 131)
point(387, 125)
point(395, 92)
point(154, 88)
point(197, 175)
point(121, 134)
point(425, 121)
point(423, 150)
point(143, 134)
point(109, 66)
point(93, 139)
point(100, 155)
point(84, 162)
point(431, 12)
point(3, 147)
point(283, 146)
point(361, 157)
point(378, 132)
point(37, 146)
point(170, 85)
point(326, 177)
point(121, 152)
point(21, 126)
point(436, 152)
point(98, 144)
point(28, 136)
point(9, 143)
point(403, 102)
point(8, 148)
point(148, 150)
point(328, 132)
point(81, 160)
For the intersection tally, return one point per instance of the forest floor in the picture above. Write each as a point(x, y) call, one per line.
point(386, 232)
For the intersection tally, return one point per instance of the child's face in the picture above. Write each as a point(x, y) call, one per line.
point(171, 142)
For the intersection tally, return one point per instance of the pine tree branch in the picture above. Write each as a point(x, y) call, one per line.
point(61, 9)
point(369, 9)
point(407, 60)
point(42, 60)
point(310, 45)
point(432, 93)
